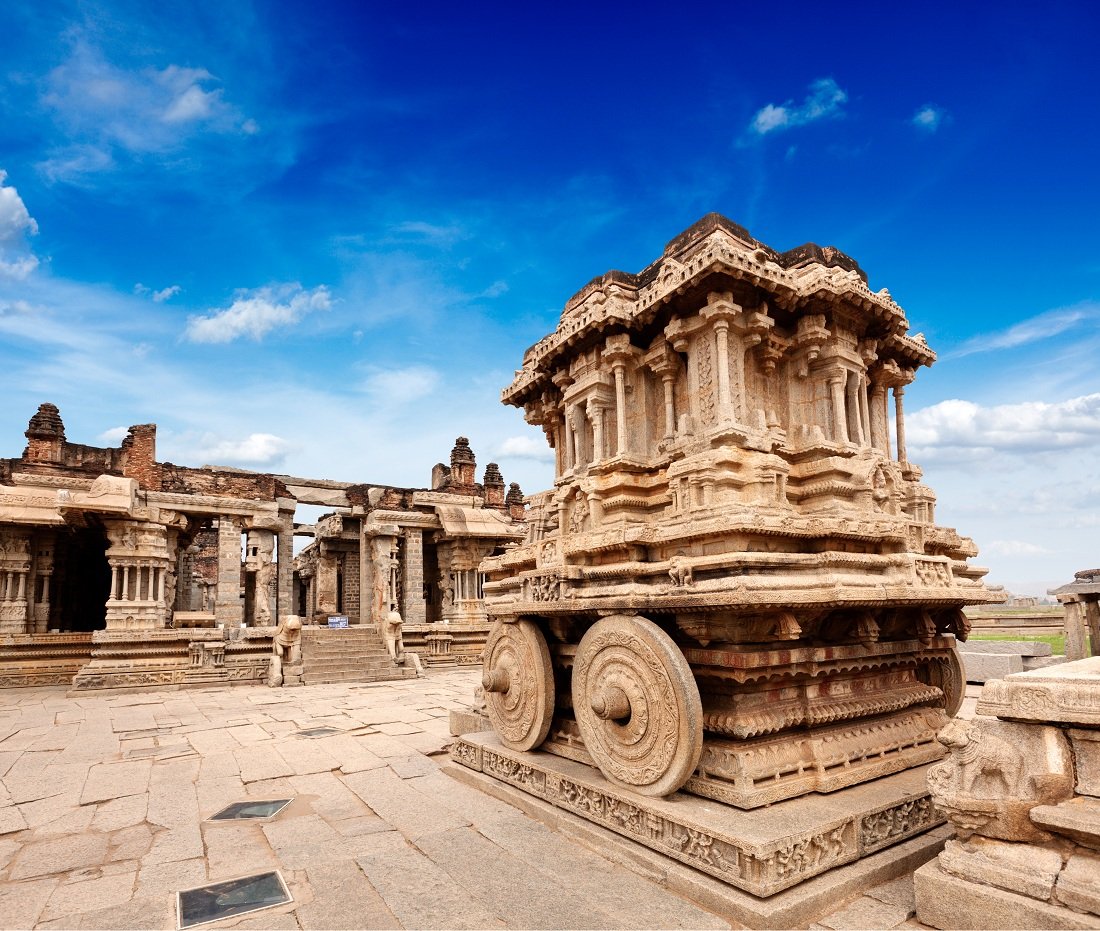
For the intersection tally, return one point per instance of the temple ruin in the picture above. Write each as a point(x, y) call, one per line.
point(119, 570)
point(736, 590)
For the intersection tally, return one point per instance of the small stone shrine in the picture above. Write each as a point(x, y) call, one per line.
point(1022, 789)
point(736, 590)
point(1081, 601)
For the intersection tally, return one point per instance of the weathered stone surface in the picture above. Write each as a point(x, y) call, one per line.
point(1022, 868)
point(866, 912)
point(982, 667)
point(401, 806)
point(1079, 884)
point(107, 781)
point(1063, 694)
point(761, 851)
point(1077, 819)
point(418, 892)
point(73, 898)
point(21, 903)
point(59, 855)
point(1086, 758)
point(947, 901)
point(343, 898)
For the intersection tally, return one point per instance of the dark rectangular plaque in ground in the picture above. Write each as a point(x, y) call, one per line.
point(216, 901)
point(318, 732)
point(247, 811)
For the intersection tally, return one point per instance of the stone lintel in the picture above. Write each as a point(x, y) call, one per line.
point(762, 852)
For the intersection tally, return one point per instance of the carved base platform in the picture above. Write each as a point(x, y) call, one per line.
point(762, 852)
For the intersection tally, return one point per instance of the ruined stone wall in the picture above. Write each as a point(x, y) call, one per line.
point(139, 454)
point(221, 483)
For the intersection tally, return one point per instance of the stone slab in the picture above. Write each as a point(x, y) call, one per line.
point(467, 721)
point(1019, 647)
point(1022, 868)
point(1076, 818)
point(1086, 760)
point(793, 908)
point(1079, 885)
point(762, 851)
point(982, 667)
point(1068, 693)
point(949, 902)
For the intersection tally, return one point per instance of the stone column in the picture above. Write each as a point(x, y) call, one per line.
point(1076, 647)
point(880, 434)
point(595, 412)
point(1092, 619)
point(228, 601)
point(570, 442)
point(864, 413)
point(620, 408)
point(413, 610)
point(376, 588)
point(285, 569)
point(836, 393)
point(851, 390)
point(722, 345)
point(326, 582)
point(899, 413)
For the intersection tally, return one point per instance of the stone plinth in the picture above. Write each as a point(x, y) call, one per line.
point(762, 852)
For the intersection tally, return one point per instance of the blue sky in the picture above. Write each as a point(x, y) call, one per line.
point(317, 238)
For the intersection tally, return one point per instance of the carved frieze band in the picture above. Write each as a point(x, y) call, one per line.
point(800, 858)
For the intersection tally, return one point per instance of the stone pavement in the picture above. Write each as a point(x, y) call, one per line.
point(102, 801)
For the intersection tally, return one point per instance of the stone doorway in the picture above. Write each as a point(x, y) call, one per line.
point(84, 582)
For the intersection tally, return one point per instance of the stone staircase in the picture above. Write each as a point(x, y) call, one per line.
point(352, 654)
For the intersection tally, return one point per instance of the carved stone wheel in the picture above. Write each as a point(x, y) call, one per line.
point(949, 677)
point(637, 705)
point(519, 684)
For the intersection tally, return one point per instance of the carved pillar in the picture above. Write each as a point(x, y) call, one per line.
point(138, 556)
point(852, 407)
point(326, 581)
point(620, 408)
point(899, 413)
point(378, 589)
point(413, 609)
point(570, 442)
point(15, 565)
point(880, 435)
point(722, 346)
point(836, 394)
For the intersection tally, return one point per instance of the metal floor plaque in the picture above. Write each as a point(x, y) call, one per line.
point(318, 732)
point(216, 901)
point(251, 810)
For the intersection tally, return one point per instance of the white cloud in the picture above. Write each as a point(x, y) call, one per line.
point(165, 294)
point(526, 447)
point(264, 449)
point(113, 435)
point(106, 109)
point(434, 233)
point(400, 386)
point(1012, 548)
point(824, 99)
point(496, 289)
point(963, 429)
point(1044, 326)
point(929, 117)
point(254, 313)
point(16, 224)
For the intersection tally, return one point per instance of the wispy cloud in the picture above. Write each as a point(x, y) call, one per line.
point(525, 447)
point(1012, 548)
point(929, 117)
point(1043, 326)
point(16, 224)
point(164, 294)
point(402, 385)
point(255, 313)
point(105, 110)
point(824, 100)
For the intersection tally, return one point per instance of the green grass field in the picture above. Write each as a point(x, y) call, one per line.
point(1057, 641)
